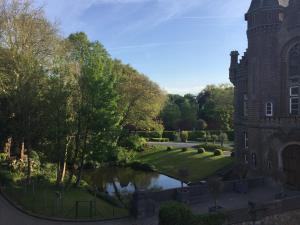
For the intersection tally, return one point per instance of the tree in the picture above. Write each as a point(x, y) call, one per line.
point(215, 105)
point(141, 100)
point(95, 104)
point(27, 42)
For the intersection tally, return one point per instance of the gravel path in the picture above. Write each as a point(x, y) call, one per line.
point(9, 215)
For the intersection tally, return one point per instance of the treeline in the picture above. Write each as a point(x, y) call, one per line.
point(66, 98)
point(211, 109)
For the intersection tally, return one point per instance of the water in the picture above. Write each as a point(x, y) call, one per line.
point(126, 180)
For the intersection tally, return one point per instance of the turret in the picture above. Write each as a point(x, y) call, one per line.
point(233, 66)
point(262, 13)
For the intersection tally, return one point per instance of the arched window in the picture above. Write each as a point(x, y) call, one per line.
point(294, 61)
point(269, 109)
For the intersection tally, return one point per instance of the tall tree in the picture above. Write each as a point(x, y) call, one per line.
point(27, 41)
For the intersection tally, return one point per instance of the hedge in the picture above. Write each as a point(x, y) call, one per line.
point(174, 213)
point(171, 135)
point(159, 139)
point(212, 147)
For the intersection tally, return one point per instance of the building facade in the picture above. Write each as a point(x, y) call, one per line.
point(267, 90)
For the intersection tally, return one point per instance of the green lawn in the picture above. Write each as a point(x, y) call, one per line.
point(199, 166)
point(43, 201)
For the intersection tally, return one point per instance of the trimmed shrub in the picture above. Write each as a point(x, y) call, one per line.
point(201, 150)
point(184, 135)
point(218, 152)
point(159, 139)
point(172, 135)
point(184, 149)
point(150, 134)
point(196, 135)
point(212, 147)
point(169, 149)
point(174, 213)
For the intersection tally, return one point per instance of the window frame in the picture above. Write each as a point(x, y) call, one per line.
point(246, 140)
point(269, 109)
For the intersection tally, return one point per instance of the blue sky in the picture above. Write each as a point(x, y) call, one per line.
point(183, 45)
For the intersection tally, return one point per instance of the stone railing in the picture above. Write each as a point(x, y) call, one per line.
point(280, 121)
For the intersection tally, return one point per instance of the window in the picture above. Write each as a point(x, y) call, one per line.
point(245, 105)
point(294, 91)
point(294, 100)
point(246, 140)
point(246, 159)
point(254, 162)
point(269, 109)
point(294, 61)
point(294, 106)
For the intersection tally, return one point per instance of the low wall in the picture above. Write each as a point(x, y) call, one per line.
point(145, 203)
point(261, 211)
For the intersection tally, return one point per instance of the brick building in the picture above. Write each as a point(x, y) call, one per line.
point(267, 89)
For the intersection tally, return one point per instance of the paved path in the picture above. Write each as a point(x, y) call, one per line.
point(12, 216)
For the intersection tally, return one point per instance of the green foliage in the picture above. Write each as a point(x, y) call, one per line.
point(180, 113)
point(136, 165)
point(3, 157)
point(209, 219)
point(169, 149)
point(126, 156)
point(216, 106)
point(6, 178)
point(197, 135)
point(201, 150)
point(184, 135)
point(171, 135)
point(218, 152)
point(213, 147)
point(160, 139)
point(174, 213)
point(150, 134)
point(134, 142)
point(184, 149)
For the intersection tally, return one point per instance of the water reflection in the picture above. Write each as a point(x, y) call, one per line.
point(115, 180)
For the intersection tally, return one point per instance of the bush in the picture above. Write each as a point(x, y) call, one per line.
point(210, 219)
point(159, 139)
point(135, 143)
point(184, 149)
point(212, 147)
point(171, 135)
point(169, 149)
point(218, 152)
point(126, 156)
point(173, 213)
point(150, 134)
point(6, 178)
point(142, 166)
point(3, 157)
point(201, 150)
point(196, 135)
point(184, 135)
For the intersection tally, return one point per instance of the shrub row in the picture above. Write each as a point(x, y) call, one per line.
point(212, 147)
point(201, 135)
point(174, 213)
point(160, 139)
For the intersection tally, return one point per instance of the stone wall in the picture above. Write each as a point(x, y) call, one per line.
point(289, 218)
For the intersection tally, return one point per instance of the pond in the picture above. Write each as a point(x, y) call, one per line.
point(112, 180)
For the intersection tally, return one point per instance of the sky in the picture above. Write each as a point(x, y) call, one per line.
point(183, 45)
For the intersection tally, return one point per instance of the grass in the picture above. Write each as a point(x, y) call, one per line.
point(43, 201)
point(199, 166)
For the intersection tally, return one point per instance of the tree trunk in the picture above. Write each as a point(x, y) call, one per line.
point(79, 175)
point(63, 164)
